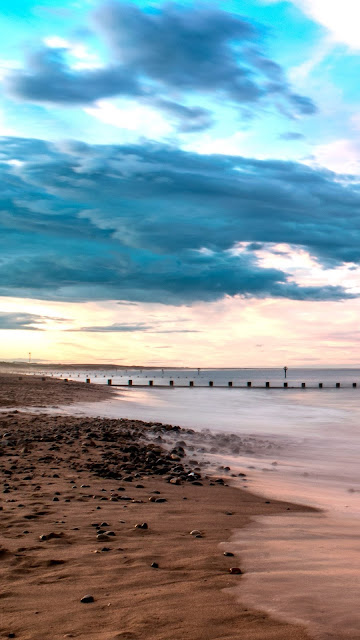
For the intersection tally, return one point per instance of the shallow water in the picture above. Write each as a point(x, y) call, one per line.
point(301, 445)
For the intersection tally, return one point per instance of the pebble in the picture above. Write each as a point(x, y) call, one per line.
point(143, 525)
point(87, 599)
point(102, 537)
point(154, 565)
point(235, 570)
point(228, 553)
point(195, 532)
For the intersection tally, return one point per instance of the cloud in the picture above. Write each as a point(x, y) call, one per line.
point(48, 79)
point(21, 321)
point(153, 223)
point(115, 328)
point(193, 53)
point(291, 135)
point(339, 17)
point(130, 328)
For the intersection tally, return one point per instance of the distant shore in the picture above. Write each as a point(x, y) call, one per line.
point(74, 489)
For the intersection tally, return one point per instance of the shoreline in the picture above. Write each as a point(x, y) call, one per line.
point(46, 458)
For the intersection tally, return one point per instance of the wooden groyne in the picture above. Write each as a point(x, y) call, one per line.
point(230, 385)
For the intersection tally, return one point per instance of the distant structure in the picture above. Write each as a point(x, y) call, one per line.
point(285, 371)
point(29, 357)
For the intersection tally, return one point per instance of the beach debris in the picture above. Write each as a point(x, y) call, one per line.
point(235, 570)
point(195, 532)
point(228, 553)
point(143, 525)
point(87, 599)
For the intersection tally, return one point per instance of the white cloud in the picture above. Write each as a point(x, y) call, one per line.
point(342, 156)
point(340, 17)
point(232, 145)
point(82, 57)
point(141, 119)
point(304, 269)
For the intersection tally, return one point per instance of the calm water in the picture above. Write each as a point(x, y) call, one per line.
point(305, 447)
point(239, 377)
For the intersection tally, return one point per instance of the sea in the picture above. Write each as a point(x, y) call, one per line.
point(303, 445)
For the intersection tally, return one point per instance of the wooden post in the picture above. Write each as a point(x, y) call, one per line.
point(171, 383)
point(320, 385)
point(267, 385)
point(285, 385)
point(230, 384)
point(338, 385)
point(109, 382)
point(354, 385)
point(88, 380)
point(211, 384)
point(303, 385)
point(249, 384)
point(191, 383)
point(151, 382)
point(130, 383)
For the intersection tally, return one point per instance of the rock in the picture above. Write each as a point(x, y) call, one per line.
point(87, 599)
point(102, 537)
point(235, 570)
point(160, 500)
point(228, 553)
point(195, 532)
point(143, 525)
point(154, 565)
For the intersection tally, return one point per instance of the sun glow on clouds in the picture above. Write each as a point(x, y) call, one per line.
point(303, 268)
point(228, 332)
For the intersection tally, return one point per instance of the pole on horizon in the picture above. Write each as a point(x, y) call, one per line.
point(29, 357)
point(285, 371)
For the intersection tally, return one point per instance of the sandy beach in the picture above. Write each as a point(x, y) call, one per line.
point(75, 489)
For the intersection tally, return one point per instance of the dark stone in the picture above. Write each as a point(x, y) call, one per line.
point(87, 599)
point(154, 565)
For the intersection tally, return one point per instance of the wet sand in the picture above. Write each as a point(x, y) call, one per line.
point(67, 479)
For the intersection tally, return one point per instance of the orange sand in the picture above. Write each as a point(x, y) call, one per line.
point(43, 457)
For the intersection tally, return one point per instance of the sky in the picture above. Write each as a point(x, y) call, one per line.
point(180, 182)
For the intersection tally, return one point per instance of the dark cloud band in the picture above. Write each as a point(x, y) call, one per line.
point(153, 223)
